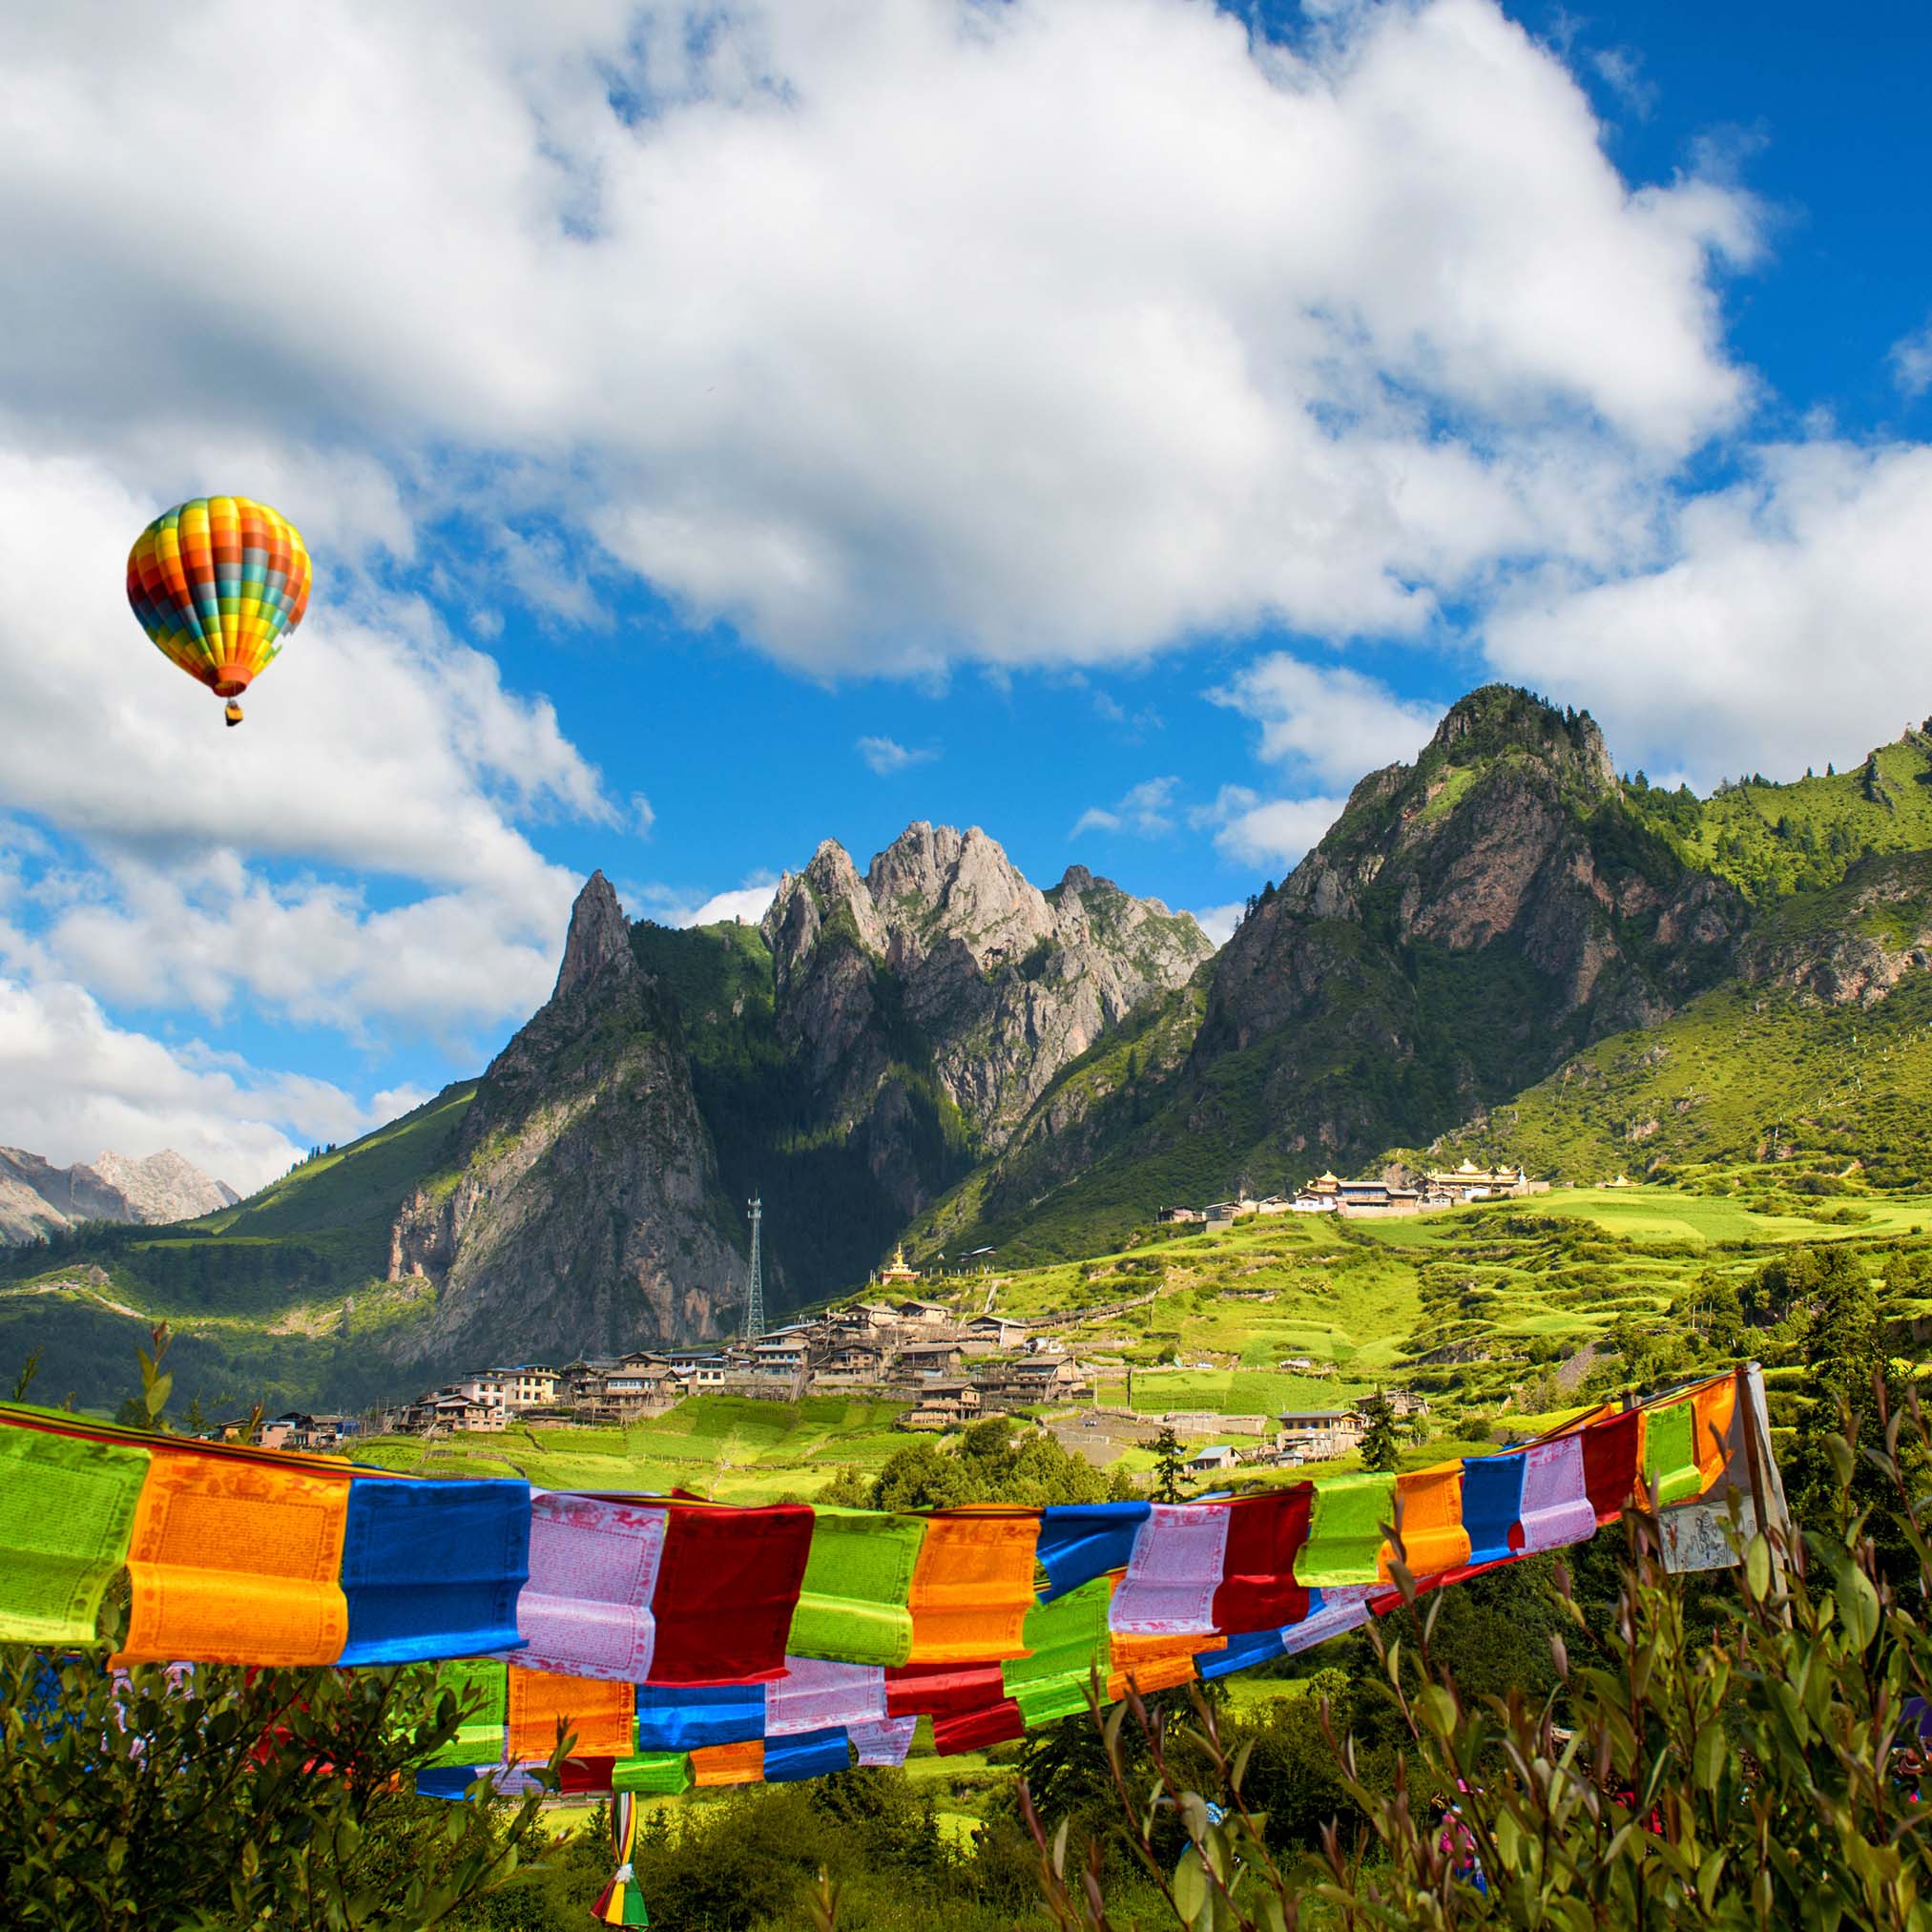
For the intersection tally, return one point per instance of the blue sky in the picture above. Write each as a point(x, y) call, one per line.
point(1110, 421)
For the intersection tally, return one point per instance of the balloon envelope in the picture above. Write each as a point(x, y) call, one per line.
point(218, 582)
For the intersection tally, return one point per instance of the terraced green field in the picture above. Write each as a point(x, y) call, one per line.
point(730, 1448)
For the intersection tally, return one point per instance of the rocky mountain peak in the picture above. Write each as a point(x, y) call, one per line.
point(599, 933)
point(38, 1198)
point(1500, 717)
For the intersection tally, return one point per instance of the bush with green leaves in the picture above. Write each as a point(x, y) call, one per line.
point(160, 1799)
point(1756, 1767)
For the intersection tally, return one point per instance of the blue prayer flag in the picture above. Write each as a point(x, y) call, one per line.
point(1080, 1541)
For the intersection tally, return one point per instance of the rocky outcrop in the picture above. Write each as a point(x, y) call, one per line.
point(944, 951)
point(1506, 836)
point(582, 1213)
point(37, 1198)
point(1853, 943)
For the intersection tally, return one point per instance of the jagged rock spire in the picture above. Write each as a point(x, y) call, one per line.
point(598, 934)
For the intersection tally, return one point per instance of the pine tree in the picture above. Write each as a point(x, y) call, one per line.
point(1847, 1363)
point(1380, 1448)
point(1170, 1468)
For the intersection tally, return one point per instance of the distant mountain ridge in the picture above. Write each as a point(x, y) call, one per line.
point(1503, 947)
point(37, 1198)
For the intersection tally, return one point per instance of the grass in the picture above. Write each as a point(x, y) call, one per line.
point(731, 1448)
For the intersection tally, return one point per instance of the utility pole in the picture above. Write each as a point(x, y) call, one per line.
point(754, 1290)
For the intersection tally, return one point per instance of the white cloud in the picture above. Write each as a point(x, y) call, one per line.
point(1622, 70)
point(1790, 626)
point(76, 1085)
point(671, 907)
point(451, 965)
point(1258, 831)
point(1912, 362)
point(643, 815)
point(890, 330)
point(1333, 723)
point(1218, 922)
point(886, 756)
point(1145, 810)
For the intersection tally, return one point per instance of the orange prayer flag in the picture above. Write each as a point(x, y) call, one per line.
point(729, 1763)
point(972, 1586)
point(238, 1561)
point(1429, 1514)
point(1715, 1407)
point(600, 1713)
point(1156, 1663)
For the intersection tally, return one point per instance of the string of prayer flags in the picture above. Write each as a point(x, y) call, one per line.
point(1612, 1451)
point(1556, 1510)
point(653, 1774)
point(853, 1602)
point(433, 1569)
point(886, 1742)
point(806, 1753)
point(67, 1516)
point(815, 1696)
point(691, 1716)
point(1180, 1554)
point(599, 1714)
point(1671, 1473)
point(1429, 1516)
point(1345, 1530)
point(727, 1586)
point(1066, 1641)
point(972, 1586)
point(481, 1689)
point(593, 1563)
point(1080, 1541)
point(1492, 1505)
point(729, 1764)
point(234, 1560)
point(1259, 1590)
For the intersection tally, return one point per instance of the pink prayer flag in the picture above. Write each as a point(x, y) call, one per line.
point(1344, 1607)
point(815, 1696)
point(1174, 1569)
point(1556, 1506)
point(585, 1610)
point(885, 1742)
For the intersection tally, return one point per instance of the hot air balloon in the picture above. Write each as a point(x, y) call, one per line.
point(218, 582)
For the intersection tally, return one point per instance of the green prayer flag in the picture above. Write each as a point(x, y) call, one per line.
point(1345, 1533)
point(482, 1683)
point(67, 1514)
point(1671, 1471)
point(658, 1773)
point(1067, 1640)
point(852, 1606)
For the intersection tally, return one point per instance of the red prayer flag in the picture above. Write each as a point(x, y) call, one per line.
point(1612, 1452)
point(1259, 1590)
point(942, 1690)
point(727, 1586)
point(975, 1730)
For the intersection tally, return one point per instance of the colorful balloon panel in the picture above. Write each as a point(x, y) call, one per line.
point(217, 583)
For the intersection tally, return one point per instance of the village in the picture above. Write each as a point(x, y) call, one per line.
point(948, 1369)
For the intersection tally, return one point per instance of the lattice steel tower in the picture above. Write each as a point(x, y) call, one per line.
point(755, 1291)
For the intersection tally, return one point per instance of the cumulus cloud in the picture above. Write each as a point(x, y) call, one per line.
point(1218, 922)
point(209, 937)
point(76, 1085)
point(1912, 362)
point(1331, 722)
point(886, 756)
point(669, 906)
point(1145, 810)
point(1258, 831)
point(889, 331)
point(1790, 626)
